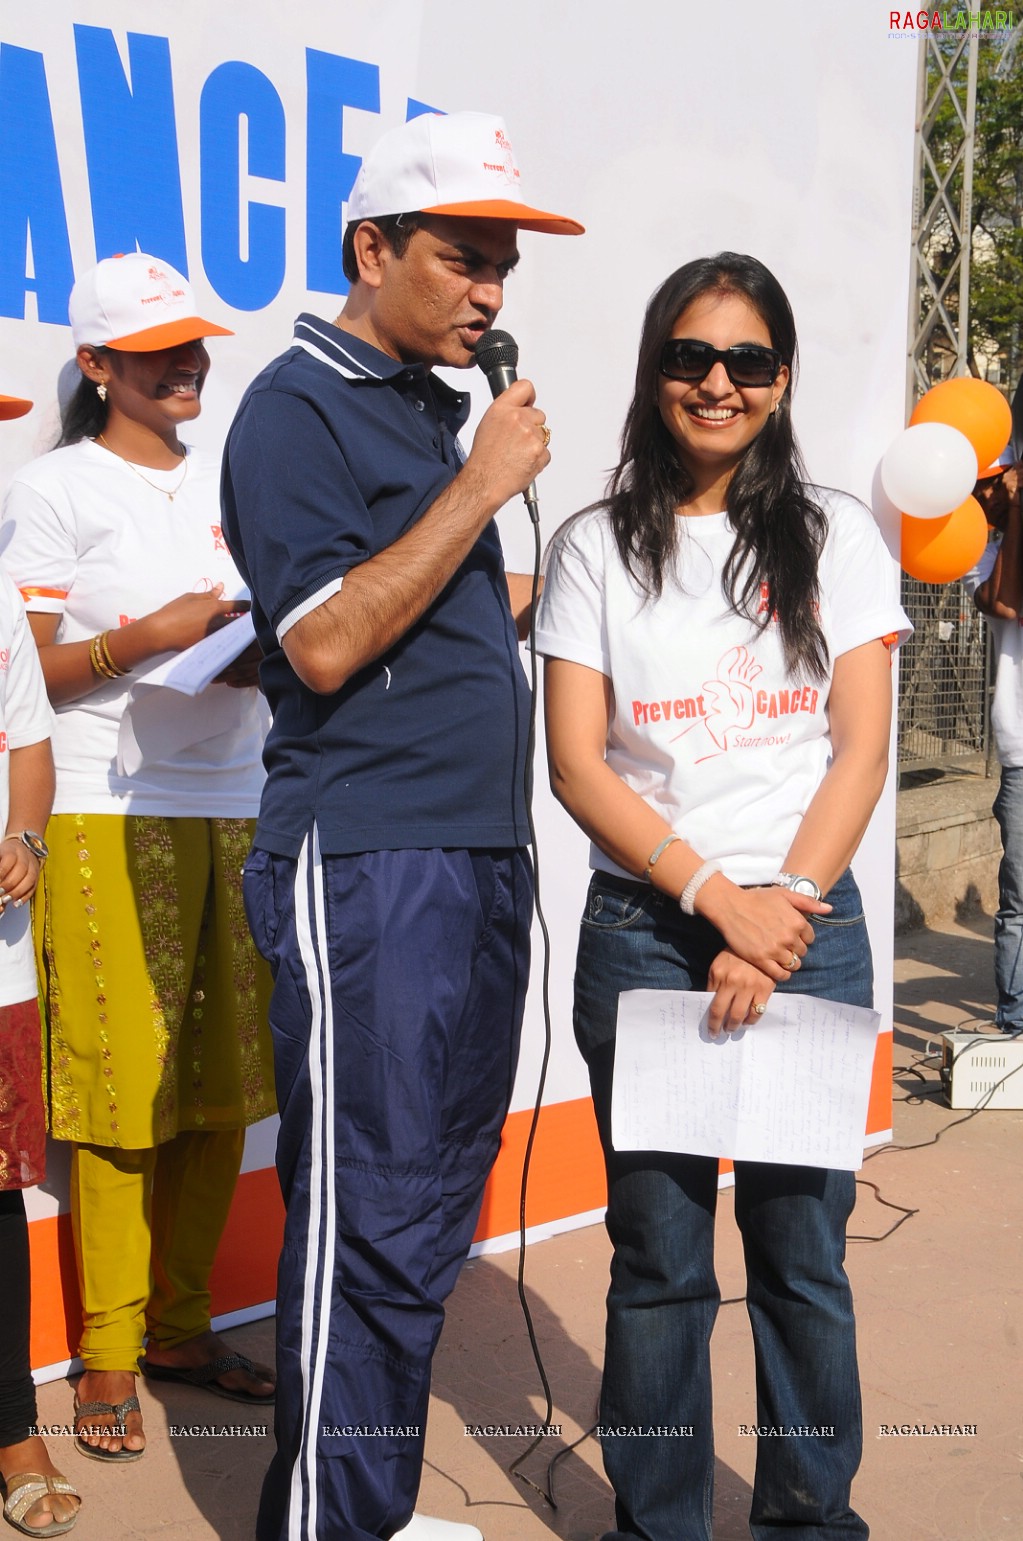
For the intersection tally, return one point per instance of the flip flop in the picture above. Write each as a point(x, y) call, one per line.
point(26, 1488)
point(120, 1411)
point(207, 1377)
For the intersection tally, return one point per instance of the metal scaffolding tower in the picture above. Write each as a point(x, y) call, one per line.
point(944, 670)
point(939, 327)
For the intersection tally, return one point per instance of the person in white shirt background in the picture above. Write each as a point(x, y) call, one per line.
point(996, 584)
point(156, 1002)
point(37, 1498)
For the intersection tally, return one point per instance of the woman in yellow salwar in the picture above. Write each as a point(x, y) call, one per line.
point(159, 1053)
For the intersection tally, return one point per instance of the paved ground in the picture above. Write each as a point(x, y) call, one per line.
point(939, 1308)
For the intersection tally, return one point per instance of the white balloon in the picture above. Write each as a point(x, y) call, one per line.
point(929, 470)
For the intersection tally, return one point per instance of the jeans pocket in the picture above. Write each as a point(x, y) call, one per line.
point(833, 922)
point(847, 905)
point(614, 909)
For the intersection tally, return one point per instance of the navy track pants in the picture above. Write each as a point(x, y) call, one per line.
point(399, 985)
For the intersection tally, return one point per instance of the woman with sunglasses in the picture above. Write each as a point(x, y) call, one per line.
point(156, 1001)
point(718, 706)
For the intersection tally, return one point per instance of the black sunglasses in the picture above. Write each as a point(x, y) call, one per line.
point(747, 364)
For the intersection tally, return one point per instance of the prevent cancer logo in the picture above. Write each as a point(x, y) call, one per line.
point(730, 704)
point(166, 293)
point(505, 166)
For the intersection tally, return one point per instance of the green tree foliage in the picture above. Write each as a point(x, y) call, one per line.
point(996, 277)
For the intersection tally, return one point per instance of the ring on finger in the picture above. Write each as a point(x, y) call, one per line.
point(546, 434)
point(759, 1008)
point(794, 961)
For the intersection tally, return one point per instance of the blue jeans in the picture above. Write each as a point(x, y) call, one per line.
point(1008, 810)
point(664, 1295)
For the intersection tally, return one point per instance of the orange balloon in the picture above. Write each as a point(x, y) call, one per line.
point(975, 407)
point(940, 550)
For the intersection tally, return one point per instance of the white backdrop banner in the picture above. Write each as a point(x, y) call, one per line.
point(226, 139)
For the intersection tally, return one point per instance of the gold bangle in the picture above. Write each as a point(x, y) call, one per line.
point(104, 647)
point(98, 661)
point(657, 853)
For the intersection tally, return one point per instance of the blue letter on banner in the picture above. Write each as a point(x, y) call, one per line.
point(131, 145)
point(31, 199)
point(332, 83)
point(232, 92)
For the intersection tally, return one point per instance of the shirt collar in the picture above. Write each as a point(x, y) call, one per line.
point(358, 360)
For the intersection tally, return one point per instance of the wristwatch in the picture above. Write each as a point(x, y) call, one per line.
point(798, 884)
point(36, 844)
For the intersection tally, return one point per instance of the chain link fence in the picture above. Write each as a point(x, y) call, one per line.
point(944, 681)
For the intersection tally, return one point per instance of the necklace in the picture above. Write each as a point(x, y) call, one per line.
point(132, 467)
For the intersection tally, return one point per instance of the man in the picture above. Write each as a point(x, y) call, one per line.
point(996, 584)
point(388, 884)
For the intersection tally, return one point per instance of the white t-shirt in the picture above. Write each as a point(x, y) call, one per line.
point(90, 542)
point(706, 723)
point(1007, 701)
point(25, 718)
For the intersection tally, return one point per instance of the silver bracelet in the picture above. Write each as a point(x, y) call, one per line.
point(696, 882)
point(657, 853)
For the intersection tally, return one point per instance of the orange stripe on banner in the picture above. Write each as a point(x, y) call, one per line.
point(879, 1108)
point(56, 1312)
point(244, 1274)
point(566, 1178)
point(566, 1170)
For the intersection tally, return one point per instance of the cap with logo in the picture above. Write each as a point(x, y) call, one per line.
point(458, 163)
point(14, 406)
point(136, 303)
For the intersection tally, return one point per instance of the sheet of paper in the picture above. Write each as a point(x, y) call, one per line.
point(174, 703)
point(159, 723)
point(198, 666)
point(793, 1089)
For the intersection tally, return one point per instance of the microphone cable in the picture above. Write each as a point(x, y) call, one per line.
point(497, 355)
point(528, 784)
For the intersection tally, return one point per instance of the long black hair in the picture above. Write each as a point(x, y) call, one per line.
point(85, 415)
point(779, 528)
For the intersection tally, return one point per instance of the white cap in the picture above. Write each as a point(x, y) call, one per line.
point(136, 303)
point(458, 163)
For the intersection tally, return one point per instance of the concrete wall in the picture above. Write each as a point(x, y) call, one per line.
point(947, 852)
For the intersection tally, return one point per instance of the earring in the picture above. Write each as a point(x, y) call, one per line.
point(101, 391)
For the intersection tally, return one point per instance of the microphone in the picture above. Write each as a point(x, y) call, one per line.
point(497, 354)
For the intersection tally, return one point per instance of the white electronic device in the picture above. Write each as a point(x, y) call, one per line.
point(982, 1070)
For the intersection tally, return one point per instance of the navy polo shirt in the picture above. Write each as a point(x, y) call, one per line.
point(336, 450)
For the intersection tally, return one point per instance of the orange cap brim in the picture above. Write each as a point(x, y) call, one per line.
point(505, 208)
point(170, 335)
point(14, 406)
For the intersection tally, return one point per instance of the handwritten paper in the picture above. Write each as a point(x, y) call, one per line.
point(793, 1089)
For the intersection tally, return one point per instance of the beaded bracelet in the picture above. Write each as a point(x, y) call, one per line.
point(696, 882)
